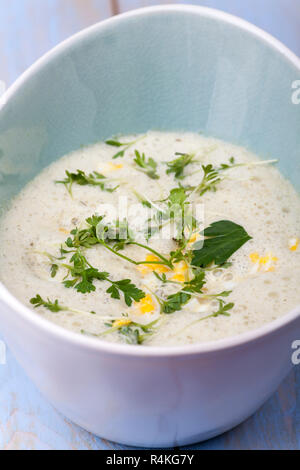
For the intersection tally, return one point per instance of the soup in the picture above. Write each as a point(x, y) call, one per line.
point(161, 239)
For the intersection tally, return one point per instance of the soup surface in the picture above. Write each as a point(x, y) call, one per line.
point(162, 239)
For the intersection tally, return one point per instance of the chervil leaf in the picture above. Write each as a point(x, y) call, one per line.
point(175, 302)
point(54, 269)
point(82, 179)
point(223, 309)
point(131, 335)
point(222, 240)
point(178, 165)
point(148, 167)
point(177, 196)
point(54, 307)
point(116, 143)
point(196, 284)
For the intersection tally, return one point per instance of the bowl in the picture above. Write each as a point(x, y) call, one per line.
point(167, 68)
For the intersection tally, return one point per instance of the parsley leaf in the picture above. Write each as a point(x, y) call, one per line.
point(222, 239)
point(130, 291)
point(84, 276)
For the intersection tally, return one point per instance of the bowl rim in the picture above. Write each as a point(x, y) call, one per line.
point(94, 344)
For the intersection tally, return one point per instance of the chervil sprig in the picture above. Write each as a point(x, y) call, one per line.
point(213, 176)
point(113, 237)
point(132, 332)
point(54, 307)
point(176, 301)
point(223, 310)
point(115, 142)
point(149, 167)
point(178, 165)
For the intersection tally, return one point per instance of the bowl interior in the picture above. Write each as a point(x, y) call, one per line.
point(167, 69)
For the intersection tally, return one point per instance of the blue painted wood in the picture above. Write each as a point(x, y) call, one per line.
point(28, 28)
point(281, 18)
point(28, 421)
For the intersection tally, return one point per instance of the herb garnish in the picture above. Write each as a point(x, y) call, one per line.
point(178, 165)
point(213, 176)
point(222, 239)
point(82, 179)
point(175, 302)
point(54, 269)
point(133, 333)
point(115, 142)
point(148, 167)
point(222, 311)
point(118, 235)
point(84, 275)
point(54, 307)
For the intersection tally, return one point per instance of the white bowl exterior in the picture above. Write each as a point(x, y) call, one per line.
point(158, 401)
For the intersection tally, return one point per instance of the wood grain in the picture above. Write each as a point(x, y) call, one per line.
point(28, 29)
point(28, 421)
point(281, 18)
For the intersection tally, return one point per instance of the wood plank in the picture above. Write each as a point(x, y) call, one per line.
point(29, 28)
point(28, 421)
point(280, 18)
point(127, 5)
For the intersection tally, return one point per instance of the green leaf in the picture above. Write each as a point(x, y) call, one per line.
point(196, 284)
point(54, 269)
point(119, 154)
point(177, 196)
point(82, 179)
point(128, 289)
point(175, 302)
point(131, 335)
point(114, 292)
point(222, 240)
point(178, 165)
point(114, 143)
point(223, 309)
point(148, 167)
point(54, 307)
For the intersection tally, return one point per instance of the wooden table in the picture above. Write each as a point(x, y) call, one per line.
point(29, 28)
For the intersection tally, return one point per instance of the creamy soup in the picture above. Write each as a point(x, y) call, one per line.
point(161, 239)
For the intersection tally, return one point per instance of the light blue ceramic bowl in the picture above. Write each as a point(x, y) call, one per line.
point(167, 68)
